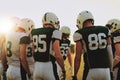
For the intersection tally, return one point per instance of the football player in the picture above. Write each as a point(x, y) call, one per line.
point(114, 26)
point(46, 49)
point(29, 26)
point(15, 51)
point(65, 47)
point(14, 22)
point(95, 42)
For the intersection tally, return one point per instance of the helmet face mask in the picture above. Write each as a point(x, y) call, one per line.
point(113, 25)
point(65, 36)
point(82, 17)
point(51, 18)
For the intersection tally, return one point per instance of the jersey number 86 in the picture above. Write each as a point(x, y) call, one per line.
point(97, 41)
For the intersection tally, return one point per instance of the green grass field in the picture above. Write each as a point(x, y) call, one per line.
point(68, 74)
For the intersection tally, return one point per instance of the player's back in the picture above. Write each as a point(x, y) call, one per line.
point(42, 39)
point(12, 44)
point(64, 45)
point(95, 45)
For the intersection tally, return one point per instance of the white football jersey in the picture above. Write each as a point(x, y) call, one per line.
point(13, 41)
point(29, 54)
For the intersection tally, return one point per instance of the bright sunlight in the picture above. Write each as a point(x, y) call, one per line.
point(5, 25)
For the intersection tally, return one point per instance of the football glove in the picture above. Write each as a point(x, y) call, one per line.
point(74, 77)
point(63, 75)
point(111, 75)
point(4, 75)
point(29, 77)
point(70, 69)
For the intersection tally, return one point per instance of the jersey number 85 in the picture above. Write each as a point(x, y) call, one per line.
point(39, 40)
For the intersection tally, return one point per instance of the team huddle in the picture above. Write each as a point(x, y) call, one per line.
point(30, 53)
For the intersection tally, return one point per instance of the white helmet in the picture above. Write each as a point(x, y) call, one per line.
point(82, 17)
point(27, 24)
point(51, 18)
point(65, 29)
point(113, 25)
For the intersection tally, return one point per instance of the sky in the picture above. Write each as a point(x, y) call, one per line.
point(66, 10)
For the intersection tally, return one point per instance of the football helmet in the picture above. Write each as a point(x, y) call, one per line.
point(65, 29)
point(51, 18)
point(82, 17)
point(27, 24)
point(113, 25)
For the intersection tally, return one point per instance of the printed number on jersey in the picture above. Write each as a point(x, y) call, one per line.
point(39, 40)
point(29, 51)
point(64, 48)
point(97, 41)
point(9, 53)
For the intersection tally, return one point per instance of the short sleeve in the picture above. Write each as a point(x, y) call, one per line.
point(117, 39)
point(57, 34)
point(77, 36)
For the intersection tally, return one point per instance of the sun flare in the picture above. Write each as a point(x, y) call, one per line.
point(5, 25)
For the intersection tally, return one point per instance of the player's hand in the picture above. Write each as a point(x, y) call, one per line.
point(70, 69)
point(4, 75)
point(111, 75)
point(63, 75)
point(74, 77)
point(29, 76)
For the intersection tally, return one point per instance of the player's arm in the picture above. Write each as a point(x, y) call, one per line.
point(77, 37)
point(3, 58)
point(117, 49)
point(110, 53)
point(58, 55)
point(56, 47)
point(77, 59)
point(23, 57)
point(117, 54)
point(69, 57)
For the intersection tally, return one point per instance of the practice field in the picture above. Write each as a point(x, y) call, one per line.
point(68, 73)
